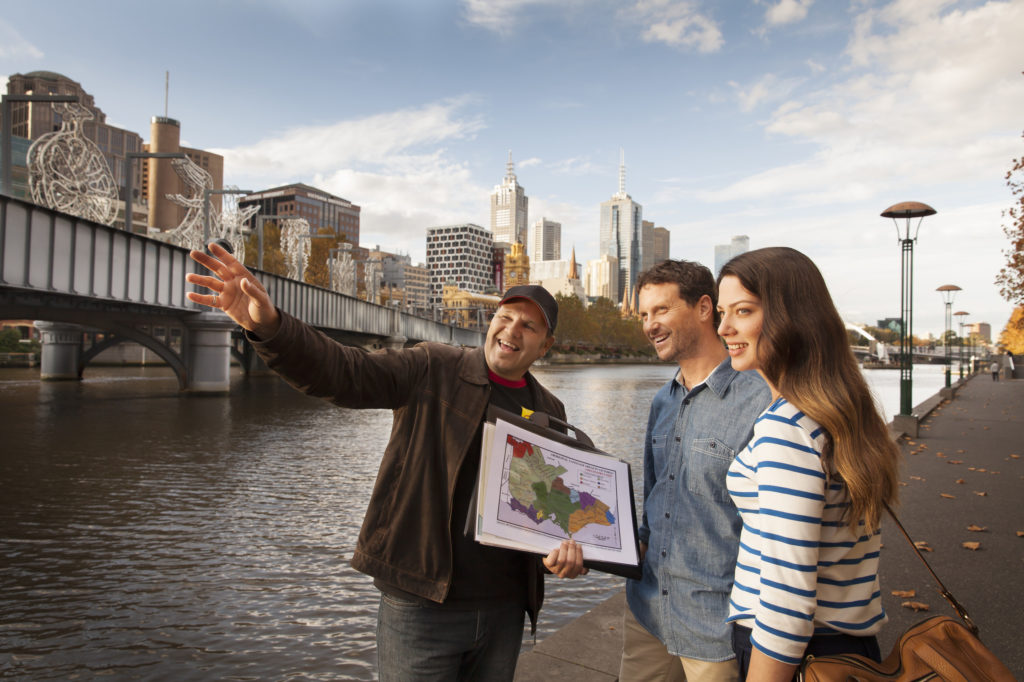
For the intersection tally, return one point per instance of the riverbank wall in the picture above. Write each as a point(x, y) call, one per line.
point(964, 471)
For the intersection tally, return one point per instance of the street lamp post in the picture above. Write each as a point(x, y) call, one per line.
point(206, 208)
point(948, 293)
point(7, 134)
point(129, 203)
point(907, 210)
point(961, 314)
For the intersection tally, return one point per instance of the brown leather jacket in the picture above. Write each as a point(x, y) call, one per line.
point(439, 395)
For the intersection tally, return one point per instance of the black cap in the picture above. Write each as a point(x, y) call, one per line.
point(540, 297)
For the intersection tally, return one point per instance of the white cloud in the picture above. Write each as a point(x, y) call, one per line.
point(13, 46)
point(678, 23)
point(502, 16)
point(787, 12)
point(394, 165)
point(383, 140)
point(532, 161)
point(768, 88)
point(929, 97)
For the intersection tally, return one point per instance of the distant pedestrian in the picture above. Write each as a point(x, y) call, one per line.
point(994, 368)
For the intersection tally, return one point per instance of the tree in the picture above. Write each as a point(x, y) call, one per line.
point(1010, 279)
point(1012, 337)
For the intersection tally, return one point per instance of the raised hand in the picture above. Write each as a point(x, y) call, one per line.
point(235, 291)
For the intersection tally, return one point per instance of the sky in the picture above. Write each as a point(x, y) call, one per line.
point(794, 122)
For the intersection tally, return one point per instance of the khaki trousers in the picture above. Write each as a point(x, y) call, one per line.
point(644, 657)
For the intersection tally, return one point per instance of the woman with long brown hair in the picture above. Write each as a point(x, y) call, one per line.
point(812, 485)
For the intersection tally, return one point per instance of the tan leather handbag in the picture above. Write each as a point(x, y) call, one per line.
point(938, 648)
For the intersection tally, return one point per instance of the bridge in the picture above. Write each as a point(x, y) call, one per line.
point(78, 277)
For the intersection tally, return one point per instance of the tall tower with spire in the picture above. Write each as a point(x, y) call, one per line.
point(509, 205)
point(621, 235)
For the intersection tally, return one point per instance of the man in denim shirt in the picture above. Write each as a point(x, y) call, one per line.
point(675, 625)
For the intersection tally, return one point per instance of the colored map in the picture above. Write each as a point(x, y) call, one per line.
point(549, 491)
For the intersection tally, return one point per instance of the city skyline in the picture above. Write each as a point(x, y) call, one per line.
point(795, 122)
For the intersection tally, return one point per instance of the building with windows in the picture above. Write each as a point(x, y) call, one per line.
point(621, 235)
point(462, 255)
point(725, 252)
point(152, 179)
point(601, 279)
point(401, 281)
point(662, 244)
point(655, 245)
point(545, 241)
point(321, 210)
point(979, 330)
point(509, 205)
point(160, 179)
point(32, 120)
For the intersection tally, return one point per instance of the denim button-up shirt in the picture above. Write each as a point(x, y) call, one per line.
point(689, 524)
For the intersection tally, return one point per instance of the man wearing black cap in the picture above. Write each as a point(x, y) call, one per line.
point(450, 608)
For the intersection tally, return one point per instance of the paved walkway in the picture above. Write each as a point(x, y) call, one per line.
point(966, 468)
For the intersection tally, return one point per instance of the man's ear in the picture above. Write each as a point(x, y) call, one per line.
point(706, 308)
point(550, 341)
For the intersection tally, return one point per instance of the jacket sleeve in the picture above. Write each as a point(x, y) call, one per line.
point(348, 376)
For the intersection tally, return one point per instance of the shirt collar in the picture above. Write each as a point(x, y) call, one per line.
point(718, 381)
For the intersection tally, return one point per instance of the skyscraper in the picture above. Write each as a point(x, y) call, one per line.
point(724, 252)
point(622, 235)
point(459, 254)
point(546, 241)
point(509, 209)
point(662, 242)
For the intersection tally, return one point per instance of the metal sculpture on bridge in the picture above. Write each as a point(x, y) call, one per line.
point(189, 234)
point(342, 270)
point(371, 273)
point(67, 171)
point(296, 245)
point(231, 220)
point(224, 224)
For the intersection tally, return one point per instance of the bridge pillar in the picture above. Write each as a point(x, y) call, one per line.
point(395, 342)
point(208, 358)
point(62, 351)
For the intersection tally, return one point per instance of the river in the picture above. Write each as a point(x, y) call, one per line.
point(150, 535)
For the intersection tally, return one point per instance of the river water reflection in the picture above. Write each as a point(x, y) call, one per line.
point(147, 535)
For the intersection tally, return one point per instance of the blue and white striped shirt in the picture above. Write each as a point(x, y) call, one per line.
point(800, 568)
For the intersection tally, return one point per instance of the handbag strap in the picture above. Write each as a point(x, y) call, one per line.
point(957, 606)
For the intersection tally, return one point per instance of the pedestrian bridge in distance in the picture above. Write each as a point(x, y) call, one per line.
point(77, 278)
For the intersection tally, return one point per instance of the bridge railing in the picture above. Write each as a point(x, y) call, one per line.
point(71, 259)
point(48, 251)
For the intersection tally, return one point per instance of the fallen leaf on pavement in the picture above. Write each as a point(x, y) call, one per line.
point(948, 496)
point(977, 528)
point(954, 461)
point(980, 494)
point(960, 480)
point(916, 605)
point(1015, 456)
point(923, 545)
point(973, 546)
point(904, 594)
point(1020, 533)
point(916, 478)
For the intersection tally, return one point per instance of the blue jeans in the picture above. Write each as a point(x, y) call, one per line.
point(818, 645)
point(417, 642)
